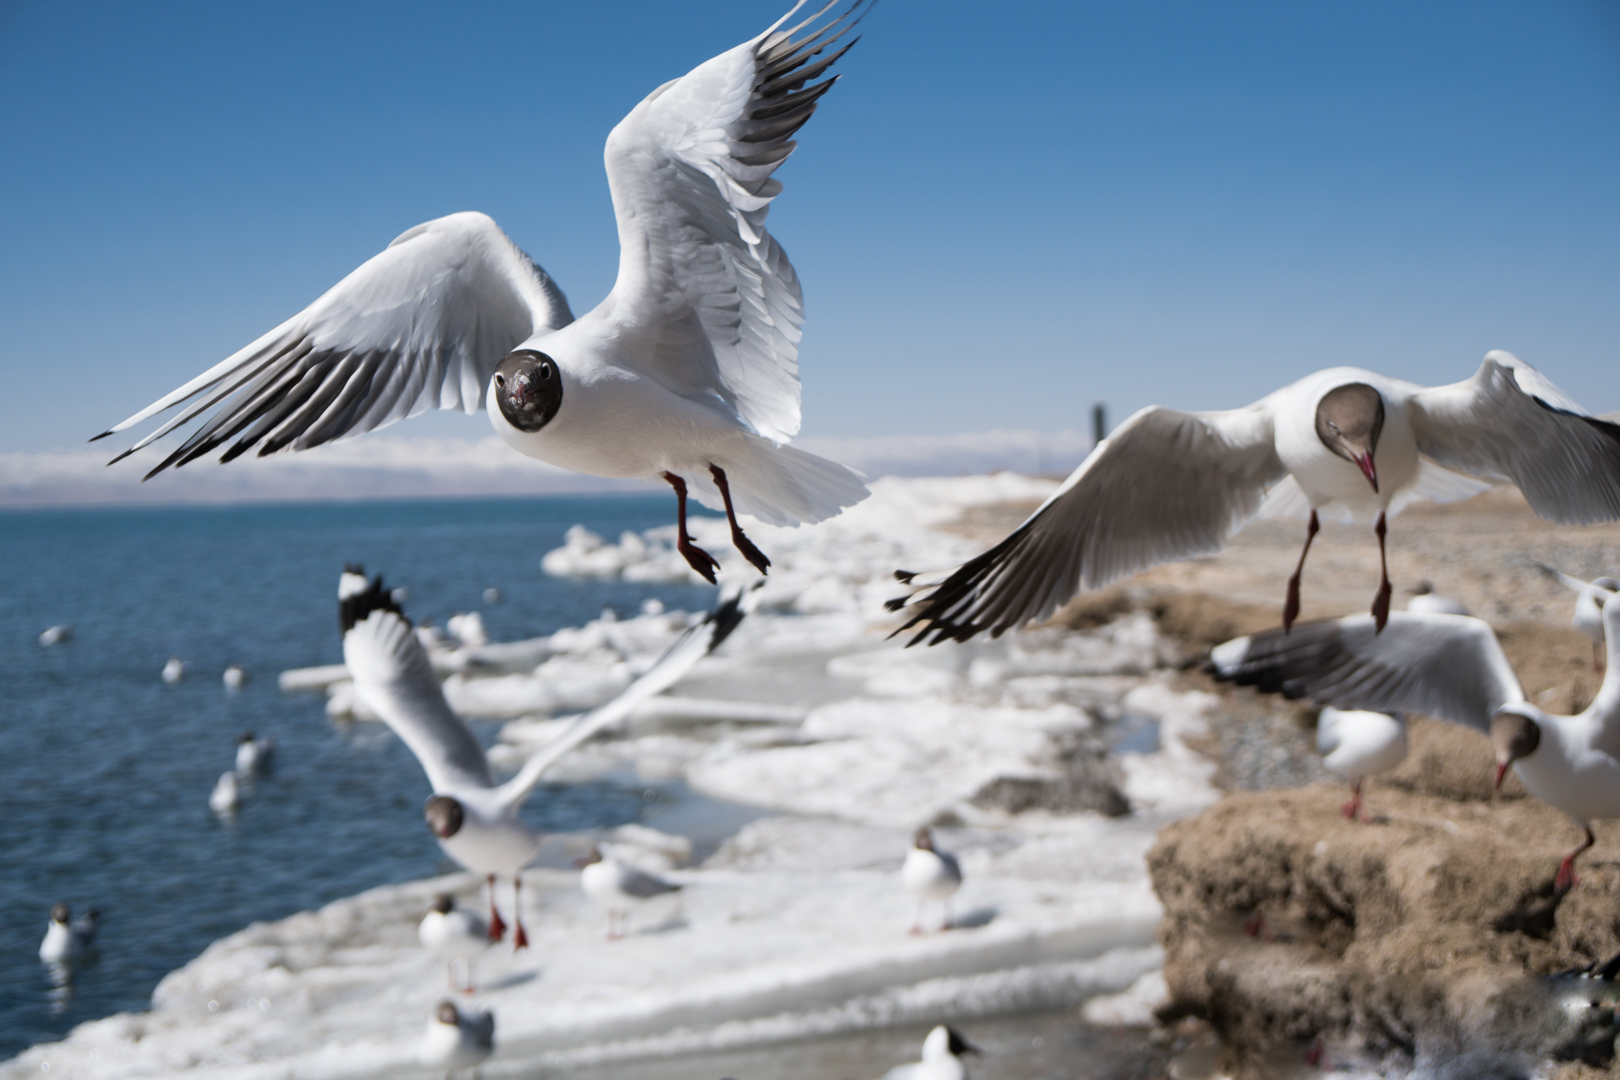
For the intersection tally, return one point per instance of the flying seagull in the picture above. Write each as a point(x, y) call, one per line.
point(688, 371)
point(475, 819)
point(1450, 666)
point(1589, 599)
point(1169, 485)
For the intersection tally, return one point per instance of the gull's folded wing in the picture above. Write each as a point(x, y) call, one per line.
point(392, 674)
point(1165, 485)
point(1450, 666)
point(420, 326)
point(701, 283)
point(1510, 421)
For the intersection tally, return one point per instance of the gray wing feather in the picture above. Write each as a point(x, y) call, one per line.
point(1509, 421)
point(1166, 485)
point(642, 885)
point(1450, 666)
point(420, 326)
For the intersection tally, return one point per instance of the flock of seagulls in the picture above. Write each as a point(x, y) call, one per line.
point(687, 373)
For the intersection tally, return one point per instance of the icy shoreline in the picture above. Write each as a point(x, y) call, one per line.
point(1048, 762)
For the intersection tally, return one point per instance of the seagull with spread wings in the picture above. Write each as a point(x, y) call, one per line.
point(1452, 667)
point(1170, 485)
point(476, 819)
point(688, 371)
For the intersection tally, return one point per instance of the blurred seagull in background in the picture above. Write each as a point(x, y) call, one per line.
point(174, 670)
point(254, 756)
point(68, 939)
point(475, 819)
point(55, 635)
point(688, 371)
point(941, 1058)
point(227, 794)
point(234, 678)
point(454, 934)
point(455, 1040)
point(1589, 599)
point(1452, 667)
point(930, 874)
point(1425, 601)
point(1169, 485)
point(618, 887)
point(1357, 744)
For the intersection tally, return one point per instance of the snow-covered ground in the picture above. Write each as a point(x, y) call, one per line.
point(1047, 762)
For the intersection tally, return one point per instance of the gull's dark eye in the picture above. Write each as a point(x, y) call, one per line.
point(545, 371)
point(500, 380)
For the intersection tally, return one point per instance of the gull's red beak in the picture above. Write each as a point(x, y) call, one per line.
point(1501, 771)
point(1365, 463)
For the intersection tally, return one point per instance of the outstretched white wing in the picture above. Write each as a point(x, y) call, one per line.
point(1165, 485)
point(1450, 666)
point(693, 645)
point(420, 326)
point(708, 296)
point(392, 674)
point(1510, 421)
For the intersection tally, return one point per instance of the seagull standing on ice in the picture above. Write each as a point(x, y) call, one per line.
point(455, 1040)
point(475, 819)
point(1170, 485)
point(617, 887)
point(1357, 744)
point(1589, 599)
point(687, 372)
point(454, 934)
point(930, 874)
point(941, 1058)
point(1454, 668)
point(68, 939)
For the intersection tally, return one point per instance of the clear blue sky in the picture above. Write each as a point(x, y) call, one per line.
point(1004, 212)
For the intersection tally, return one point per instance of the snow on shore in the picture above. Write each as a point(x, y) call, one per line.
point(1047, 762)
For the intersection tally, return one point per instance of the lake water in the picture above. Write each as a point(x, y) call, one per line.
point(105, 770)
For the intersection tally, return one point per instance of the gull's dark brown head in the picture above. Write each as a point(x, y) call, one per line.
point(591, 859)
point(923, 840)
point(528, 388)
point(447, 1013)
point(444, 903)
point(61, 913)
point(1349, 419)
point(444, 816)
point(1515, 736)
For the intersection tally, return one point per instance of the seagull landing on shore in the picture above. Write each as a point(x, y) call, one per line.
point(941, 1058)
point(1170, 485)
point(687, 372)
point(1452, 667)
point(475, 819)
point(930, 874)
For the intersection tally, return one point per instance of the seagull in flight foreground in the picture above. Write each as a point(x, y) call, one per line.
point(688, 371)
point(475, 819)
point(1170, 485)
point(1452, 667)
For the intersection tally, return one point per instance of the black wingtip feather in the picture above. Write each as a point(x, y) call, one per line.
point(375, 597)
point(726, 618)
point(103, 435)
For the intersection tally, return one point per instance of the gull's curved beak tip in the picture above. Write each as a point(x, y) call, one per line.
point(1501, 771)
point(1365, 463)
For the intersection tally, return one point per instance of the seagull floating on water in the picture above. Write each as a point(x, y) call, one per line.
point(68, 939)
point(1452, 667)
point(475, 819)
point(454, 934)
point(941, 1058)
point(227, 794)
point(1170, 485)
point(456, 1040)
point(234, 677)
point(174, 670)
point(1357, 744)
point(254, 756)
point(930, 874)
point(618, 887)
point(687, 372)
point(55, 635)
point(1589, 599)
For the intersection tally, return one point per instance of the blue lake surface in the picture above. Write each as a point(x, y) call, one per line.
point(105, 770)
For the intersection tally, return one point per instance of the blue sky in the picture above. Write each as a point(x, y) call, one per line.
point(1003, 213)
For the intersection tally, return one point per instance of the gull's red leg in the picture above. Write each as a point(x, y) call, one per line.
point(1380, 608)
point(497, 926)
point(1352, 809)
point(1566, 879)
point(520, 940)
point(744, 545)
point(1291, 604)
point(696, 557)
